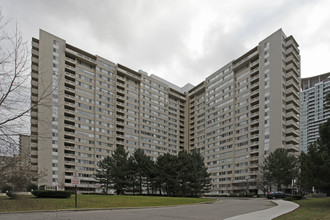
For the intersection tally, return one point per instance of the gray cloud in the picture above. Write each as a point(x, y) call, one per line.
point(180, 41)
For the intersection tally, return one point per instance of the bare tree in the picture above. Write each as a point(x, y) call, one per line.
point(15, 102)
point(15, 81)
point(14, 87)
point(17, 172)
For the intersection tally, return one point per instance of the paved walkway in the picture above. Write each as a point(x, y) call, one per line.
point(282, 207)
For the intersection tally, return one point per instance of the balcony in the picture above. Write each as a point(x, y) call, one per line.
point(120, 116)
point(71, 148)
point(70, 74)
point(245, 60)
point(67, 95)
point(70, 67)
point(254, 122)
point(292, 51)
point(120, 110)
point(292, 75)
point(70, 82)
point(292, 131)
point(240, 63)
point(292, 115)
point(72, 162)
point(70, 133)
point(291, 66)
point(292, 57)
point(292, 148)
point(254, 172)
point(69, 125)
point(70, 51)
point(121, 104)
point(70, 89)
point(254, 79)
point(69, 111)
point(292, 107)
point(254, 159)
point(292, 100)
point(69, 104)
point(254, 115)
point(121, 78)
point(69, 169)
point(291, 83)
point(253, 64)
point(293, 89)
point(292, 123)
point(121, 91)
point(254, 128)
point(292, 61)
point(254, 136)
point(254, 100)
point(86, 58)
point(293, 140)
point(254, 107)
point(255, 86)
point(254, 144)
point(120, 136)
point(69, 140)
point(120, 85)
point(290, 44)
point(35, 60)
point(254, 71)
point(255, 92)
point(72, 61)
point(69, 155)
point(120, 141)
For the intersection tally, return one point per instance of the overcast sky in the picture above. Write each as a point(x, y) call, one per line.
point(182, 41)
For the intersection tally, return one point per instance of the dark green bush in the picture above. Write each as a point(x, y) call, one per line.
point(31, 186)
point(298, 197)
point(294, 197)
point(42, 187)
point(11, 194)
point(242, 194)
point(6, 188)
point(51, 194)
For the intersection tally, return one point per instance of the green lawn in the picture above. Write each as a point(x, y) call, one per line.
point(310, 209)
point(26, 203)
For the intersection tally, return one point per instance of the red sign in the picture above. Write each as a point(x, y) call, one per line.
point(75, 180)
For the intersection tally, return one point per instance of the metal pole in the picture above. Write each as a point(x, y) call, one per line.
point(75, 200)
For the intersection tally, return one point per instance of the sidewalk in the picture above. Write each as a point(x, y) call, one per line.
point(281, 208)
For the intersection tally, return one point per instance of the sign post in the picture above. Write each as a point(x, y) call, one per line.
point(75, 181)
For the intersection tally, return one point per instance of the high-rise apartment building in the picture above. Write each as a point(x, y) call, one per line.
point(246, 110)
point(90, 105)
point(313, 113)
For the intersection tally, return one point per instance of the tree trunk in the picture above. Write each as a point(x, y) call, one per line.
point(140, 179)
point(148, 187)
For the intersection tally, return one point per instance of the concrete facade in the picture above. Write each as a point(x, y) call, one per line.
point(90, 105)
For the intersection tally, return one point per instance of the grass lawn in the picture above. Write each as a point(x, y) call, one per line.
point(26, 203)
point(316, 208)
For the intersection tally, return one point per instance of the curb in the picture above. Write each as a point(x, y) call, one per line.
point(104, 209)
point(282, 207)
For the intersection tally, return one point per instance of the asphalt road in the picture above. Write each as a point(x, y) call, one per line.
point(226, 207)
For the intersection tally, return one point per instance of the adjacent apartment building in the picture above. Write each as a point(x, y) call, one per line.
point(313, 113)
point(90, 105)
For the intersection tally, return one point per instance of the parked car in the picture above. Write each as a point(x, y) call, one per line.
point(276, 195)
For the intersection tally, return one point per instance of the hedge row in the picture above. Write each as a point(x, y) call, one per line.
point(51, 194)
point(294, 197)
